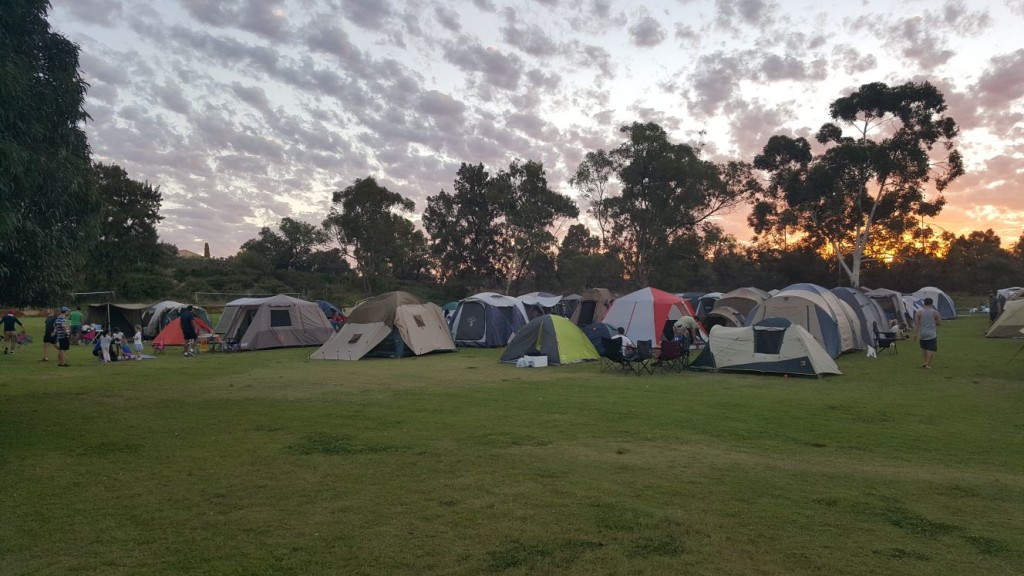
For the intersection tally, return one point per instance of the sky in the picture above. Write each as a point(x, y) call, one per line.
point(247, 111)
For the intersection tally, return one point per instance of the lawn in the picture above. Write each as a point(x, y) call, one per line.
point(267, 463)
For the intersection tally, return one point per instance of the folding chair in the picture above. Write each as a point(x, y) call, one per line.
point(671, 355)
point(641, 361)
point(885, 340)
point(611, 357)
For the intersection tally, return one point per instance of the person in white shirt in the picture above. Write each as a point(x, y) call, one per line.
point(628, 348)
point(137, 341)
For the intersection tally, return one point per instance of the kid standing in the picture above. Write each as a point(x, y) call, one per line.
point(138, 342)
point(105, 341)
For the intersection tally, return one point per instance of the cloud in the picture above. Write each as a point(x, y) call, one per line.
point(531, 39)
point(501, 70)
point(448, 18)
point(261, 17)
point(331, 39)
point(103, 12)
point(369, 14)
point(646, 32)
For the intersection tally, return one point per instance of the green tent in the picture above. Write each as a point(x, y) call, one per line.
point(552, 336)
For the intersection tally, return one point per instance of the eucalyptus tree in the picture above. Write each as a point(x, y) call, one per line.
point(367, 221)
point(900, 142)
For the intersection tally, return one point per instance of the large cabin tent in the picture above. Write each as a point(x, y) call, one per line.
point(275, 322)
point(594, 304)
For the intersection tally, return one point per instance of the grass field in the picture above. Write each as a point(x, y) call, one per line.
point(266, 463)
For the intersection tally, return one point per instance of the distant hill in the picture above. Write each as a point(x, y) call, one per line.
point(188, 254)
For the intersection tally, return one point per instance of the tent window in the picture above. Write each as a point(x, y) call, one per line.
point(419, 321)
point(280, 318)
point(768, 341)
point(355, 338)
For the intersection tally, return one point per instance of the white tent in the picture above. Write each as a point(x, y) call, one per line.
point(647, 314)
point(773, 346)
point(1009, 323)
point(942, 302)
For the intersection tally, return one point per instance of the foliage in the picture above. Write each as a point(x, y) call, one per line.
point(876, 179)
point(366, 221)
point(667, 191)
point(127, 242)
point(294, 248)
point(525, 211)
point(463, 239)
point(48, 206)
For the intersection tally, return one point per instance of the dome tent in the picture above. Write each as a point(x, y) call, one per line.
point(391, 325)
point(274, 322)
point(487, 320)
point(647, 314)
point(552, 336)
point(772, 346)
point(942, 302)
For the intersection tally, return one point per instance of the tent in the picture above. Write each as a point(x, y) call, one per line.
point(742, 300)
point(594, 304)
point(706, 303)
point(123, 317)
point(911, 305)
point(811, 311)
point(171, 335)
point(891, 302)
point(848, 320)
point(723, 316)
point(772, 346)
point(596, 331)
point(329, 310)
point(1010, 321)
point(487, 320)
point(569, 304)
point(274, 322)
point(540, 303)
point(160, 315)
point(391, 325)
point(942, 302)
point(869, 315)
point(552, 336)
point(647, 314)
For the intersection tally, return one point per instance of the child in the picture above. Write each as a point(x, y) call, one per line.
point(138, 342)
point(105, 341)
point(126, 351)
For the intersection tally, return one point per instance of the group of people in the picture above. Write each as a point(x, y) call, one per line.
point(685, 331)
point(111, 346)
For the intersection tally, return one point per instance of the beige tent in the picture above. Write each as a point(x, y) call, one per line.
point(1010, 322)
point(391, 325)
point(741, 300)
point(773, 346)
point(275, 322)
point(593, 306)
point(808, 309)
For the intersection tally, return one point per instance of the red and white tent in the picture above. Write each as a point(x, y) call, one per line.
point(647, 314)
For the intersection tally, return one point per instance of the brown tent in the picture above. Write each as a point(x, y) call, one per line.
point(594, 304)
point(391, 325)
point(275, 322)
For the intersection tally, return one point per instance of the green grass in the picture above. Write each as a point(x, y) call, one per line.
point(266, 463)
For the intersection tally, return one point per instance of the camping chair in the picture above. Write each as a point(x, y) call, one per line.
point(641, 361)
point(672, 358)
point(611, 358)
point(885, 340)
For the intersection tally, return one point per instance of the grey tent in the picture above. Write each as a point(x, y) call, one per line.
point(742, 300)
point(275, 322)
point(869, 315)
point(594, 304)
point(123, 317)
point(159, 315)
point(891, 302)
point(943, 303)
point(391, 325)
point(772, 346)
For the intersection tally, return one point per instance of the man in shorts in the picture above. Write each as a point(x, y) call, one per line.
point(62, 335)
point(48, 339)
point(926, 329)
point(10, 335)
point(75, 319)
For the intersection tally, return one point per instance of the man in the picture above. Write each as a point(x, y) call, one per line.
point(188, 330)
point(687, 326)
point(48, 339)
point(628, 348)
point(926, 329)
point(10, 335)
point(75, 320)
point(62, 336)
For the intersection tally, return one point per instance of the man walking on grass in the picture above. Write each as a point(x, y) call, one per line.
point(62, 336)
point(10, 336)
point(926, 330)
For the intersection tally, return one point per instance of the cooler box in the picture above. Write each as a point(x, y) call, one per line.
point(536, 361)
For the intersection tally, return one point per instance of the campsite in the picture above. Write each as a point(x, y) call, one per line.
point(267, 462)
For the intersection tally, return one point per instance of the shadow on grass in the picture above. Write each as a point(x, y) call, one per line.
point(516, 554)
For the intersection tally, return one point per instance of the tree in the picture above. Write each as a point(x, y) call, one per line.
point(874, 179)
point(291, 249)
point(463, 238)
point(526, 209)
point(48, 206)
point(592, 179)
point(366, 220)
point(127, 241)
point(666, 191)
